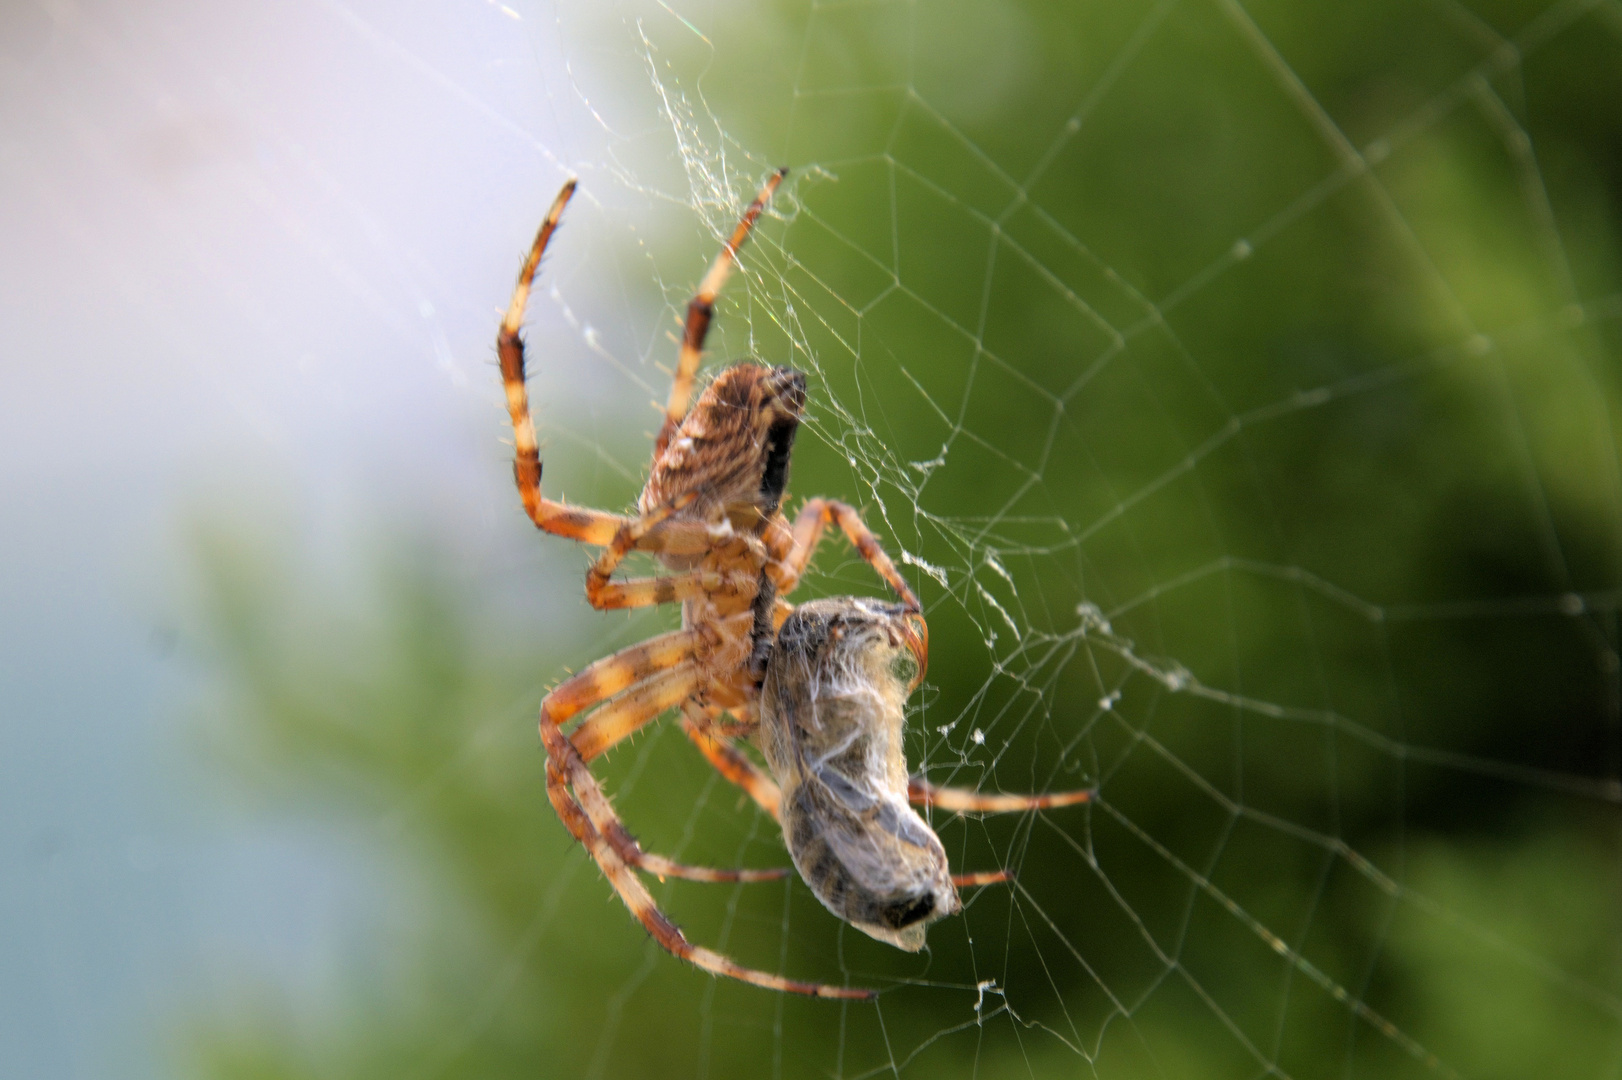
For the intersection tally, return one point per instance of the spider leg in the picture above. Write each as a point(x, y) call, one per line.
point(645, 532)
point(623, 716)
point(587, 815)
point(701, 308)
point(589, 526)
point(634, 686)
point(630, 534)
point(964, 801)
point(602, 679)
point(816, 516)
point(640, 902)
point(650, 591)
point(729, 761)
point(617, 720)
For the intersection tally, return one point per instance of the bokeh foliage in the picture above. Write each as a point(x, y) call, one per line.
point(1296, 357)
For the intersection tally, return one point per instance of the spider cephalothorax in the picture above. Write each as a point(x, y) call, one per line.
point(711, 513)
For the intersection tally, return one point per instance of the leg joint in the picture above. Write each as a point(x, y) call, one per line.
point(699, 313)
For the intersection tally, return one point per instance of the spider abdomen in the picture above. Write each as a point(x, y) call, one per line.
point(732, 450)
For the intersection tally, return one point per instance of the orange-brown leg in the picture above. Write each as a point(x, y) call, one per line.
point(602, 679)
point(816, 516)
point(586, 814)
point(560, 772)
point(633, 532)
point(590, 526)
point(701, 309)
point(617, 720)
point(649, 591)
point(702, 728)
point(639, 683)
point(964, 801)
point(575, 523)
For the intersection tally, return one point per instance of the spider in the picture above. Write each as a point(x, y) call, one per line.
point(711, 513)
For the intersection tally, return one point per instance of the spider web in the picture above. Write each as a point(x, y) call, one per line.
point(1123, 571)
point(1236, 384)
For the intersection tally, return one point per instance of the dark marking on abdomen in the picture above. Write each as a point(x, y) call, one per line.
point(903, 913)
point(774, 478)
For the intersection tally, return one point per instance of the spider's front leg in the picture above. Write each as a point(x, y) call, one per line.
point(964, 801)
point(794, 548)
point(636, 897)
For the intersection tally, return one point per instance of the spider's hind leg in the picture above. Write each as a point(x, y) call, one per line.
point(701, 727)
point(636, 897)
point(964, 801)
point(631, 688)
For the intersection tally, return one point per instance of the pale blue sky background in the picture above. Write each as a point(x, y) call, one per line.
point(248, 248)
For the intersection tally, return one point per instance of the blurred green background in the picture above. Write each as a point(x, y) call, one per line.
point(1239, 385)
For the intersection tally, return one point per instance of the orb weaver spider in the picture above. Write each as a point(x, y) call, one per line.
point(711, 512)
